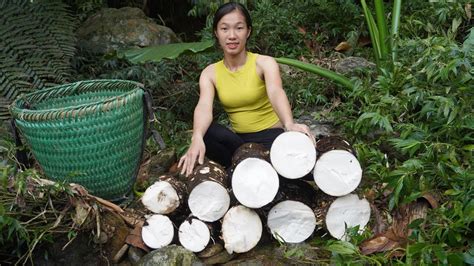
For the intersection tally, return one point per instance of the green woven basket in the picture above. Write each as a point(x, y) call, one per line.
point(88, 132)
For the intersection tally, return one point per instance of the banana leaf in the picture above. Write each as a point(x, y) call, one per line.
point(336, 77)
point(158, 52)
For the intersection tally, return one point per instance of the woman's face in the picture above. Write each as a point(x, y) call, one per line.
point(232, 33)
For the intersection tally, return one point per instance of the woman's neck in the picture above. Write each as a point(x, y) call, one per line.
point(235, 62)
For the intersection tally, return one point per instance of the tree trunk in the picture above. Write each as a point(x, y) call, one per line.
point(293, 155)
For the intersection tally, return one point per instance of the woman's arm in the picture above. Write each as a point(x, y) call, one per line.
point(277, 96)
point(202, 120)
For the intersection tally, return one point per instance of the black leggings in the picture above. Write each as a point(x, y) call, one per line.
point(221, 142)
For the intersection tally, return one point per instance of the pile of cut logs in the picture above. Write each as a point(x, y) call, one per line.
point(287, 192)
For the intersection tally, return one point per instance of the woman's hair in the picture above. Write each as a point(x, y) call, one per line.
point(228, 8)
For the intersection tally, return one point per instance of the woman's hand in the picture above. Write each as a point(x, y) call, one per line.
point(196, 151)
point(301, 128)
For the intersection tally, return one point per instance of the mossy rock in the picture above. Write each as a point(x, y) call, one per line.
point(170, 255)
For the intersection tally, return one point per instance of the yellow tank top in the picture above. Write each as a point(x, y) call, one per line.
point(244, 97)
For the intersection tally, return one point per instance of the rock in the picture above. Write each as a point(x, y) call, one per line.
point(135, 254)
point(170, 255)
point(351, 64)
point(318, 129)
point(211, 250)
point(128, 27)
point(219, 258)
point(151, 170)
point(161, 163)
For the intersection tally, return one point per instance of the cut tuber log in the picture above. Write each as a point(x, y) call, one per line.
point(337, 172)
point(333, 143)
point(158, 231)
point(165, 196)
point(293, 154)
point(241, 229)
point(346, 212)
point(250, 150)
point(194, 235)
point(254, 182)
point(209, 199)
point(291, 221)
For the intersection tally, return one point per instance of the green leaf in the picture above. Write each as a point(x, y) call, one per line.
point(158, 52)
point(456, 259)
point(336, 77)
point(452, 192)
point(374, 33)
point(382, 28)
point(395, 198)
point(397, 4)
point(456, 23)
point(468, 45)
point(469, 210)
point(469, 147)
point(342, 247)
point(440, 253)
point(416, 248)
point(469, 256)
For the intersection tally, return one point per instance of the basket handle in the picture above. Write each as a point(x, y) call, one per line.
point(151, 118)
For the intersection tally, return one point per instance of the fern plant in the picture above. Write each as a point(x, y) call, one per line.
point(36, 47)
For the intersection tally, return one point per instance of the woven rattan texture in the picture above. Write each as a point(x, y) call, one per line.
point(88, 132)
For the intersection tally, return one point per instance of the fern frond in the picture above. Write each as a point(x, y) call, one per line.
point(36, 47)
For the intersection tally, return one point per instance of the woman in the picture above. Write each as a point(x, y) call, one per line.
point(250, 89)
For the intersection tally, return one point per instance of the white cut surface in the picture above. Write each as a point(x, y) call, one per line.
point(241, 229)
point(346, 212)
point(337, 173)
point(161, 198)
point(293, 154)
point(158, 232)
point(291, 221)
point(194, 235)
point(254, 182)
point(209, 201)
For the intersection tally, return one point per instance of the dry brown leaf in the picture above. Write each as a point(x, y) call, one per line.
point(380, 223)
point(397, 234)
point(343, 46)
point(173, 169)
point(364, 41)
point(378, 243)
point(432, 200)
point(135, 238)
point(301, 30)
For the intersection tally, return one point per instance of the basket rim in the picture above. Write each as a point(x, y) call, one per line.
point(73, 110)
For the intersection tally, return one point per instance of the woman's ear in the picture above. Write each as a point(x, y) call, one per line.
point(250, 31)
